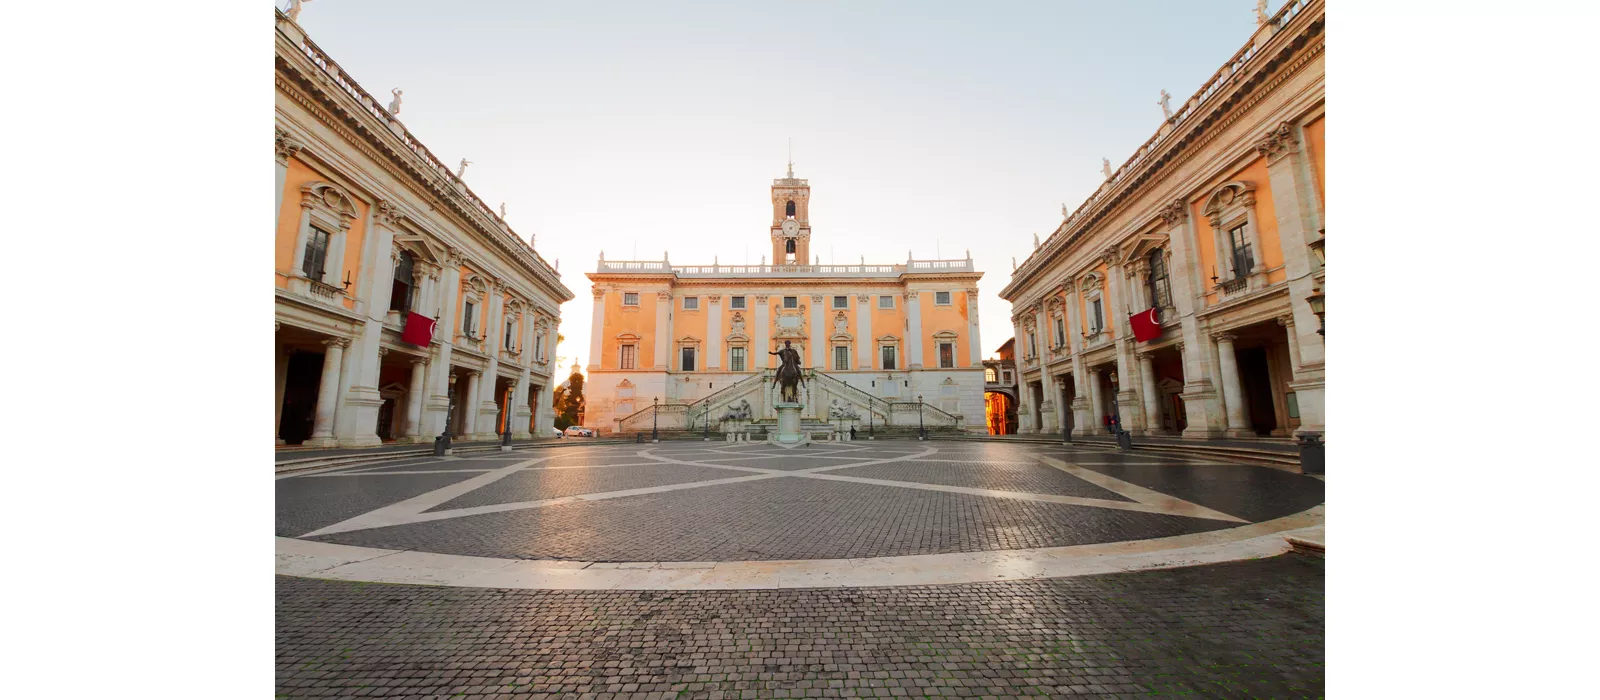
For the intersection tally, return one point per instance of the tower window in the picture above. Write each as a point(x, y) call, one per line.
point(788, 246)
point(788, 209)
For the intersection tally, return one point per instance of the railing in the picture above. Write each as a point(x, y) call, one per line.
point(372, 106)
point(880, 406)
point(1233, 286)
point(697, 408)
point(718, 270)
point(324, 292)
point(1224, 76)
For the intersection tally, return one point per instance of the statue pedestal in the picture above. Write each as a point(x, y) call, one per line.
point(788, 433)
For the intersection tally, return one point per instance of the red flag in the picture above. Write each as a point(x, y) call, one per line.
point(419, 329)
point(1145, 326)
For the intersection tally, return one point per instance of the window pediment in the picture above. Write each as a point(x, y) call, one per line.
point(945, 335)
point(1229, 196)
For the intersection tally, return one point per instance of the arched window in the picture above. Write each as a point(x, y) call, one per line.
point(1160, 288)
point(404, 282)
point(788, 209)
point(788, 246)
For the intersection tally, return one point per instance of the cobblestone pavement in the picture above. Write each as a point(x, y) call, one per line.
point(713, 502)
point(1249, 629)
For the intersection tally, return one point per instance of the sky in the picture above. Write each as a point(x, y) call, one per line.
point(638, 129)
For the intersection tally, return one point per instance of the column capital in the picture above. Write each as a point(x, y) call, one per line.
point(1110, 257)
point(1223, 337)
point(284, 146)
point(713, 298)
point(863, 298)
point(1175, 213)
point(474, 374)
point(1286, 320)
point(337, 343)
point(664, 296)
point(761, 298)
point(419, 360)
point(387, 214)
point(453, 257)
point(383, 351)
point(598, 293)
point(1145, 356)
point(1278, 143)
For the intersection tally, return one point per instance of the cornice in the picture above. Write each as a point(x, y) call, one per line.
point(1288, 55)
point(309, 86)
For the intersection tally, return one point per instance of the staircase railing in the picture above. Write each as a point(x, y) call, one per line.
point(880, 406)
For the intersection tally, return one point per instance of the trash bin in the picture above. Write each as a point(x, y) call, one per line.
point(1311, 456)
point(1124, 441)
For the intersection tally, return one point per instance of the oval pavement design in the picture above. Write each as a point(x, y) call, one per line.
point(717, 516)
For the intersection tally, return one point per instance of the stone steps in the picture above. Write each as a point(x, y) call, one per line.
point(1289, 461)
point(298, 465)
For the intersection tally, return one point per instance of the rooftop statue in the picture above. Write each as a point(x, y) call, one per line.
point(394, 105)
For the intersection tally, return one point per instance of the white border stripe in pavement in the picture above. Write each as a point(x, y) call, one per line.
point(343, 562)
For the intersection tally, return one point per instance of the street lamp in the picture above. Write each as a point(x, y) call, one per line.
point(1315, 300)
point(707, 437)
point(655, 409)
point(1316, 249)
point(870, 434)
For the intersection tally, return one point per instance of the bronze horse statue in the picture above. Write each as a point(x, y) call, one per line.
point(788, 377)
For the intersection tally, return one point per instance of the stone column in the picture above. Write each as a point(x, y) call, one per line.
point(1082, 416)
point(1232, 390)
point(470, 422)
point(974, 333)
point(1117, 296)
point(445, 299)
point(866, 343)
point(1097, 403)
point(357, 425)
point(1287, 321)
point(1152, 395)
point(1024, 396)
point(419, 374)
point(597, 331)
point(488, 405)
point(713, 359)
point(1202, 403)
point(761, 332)
point(914, 329)
point(1299, 219)
point(819, 334)
point(328, 394)
point(285, 148)
point(663, 347)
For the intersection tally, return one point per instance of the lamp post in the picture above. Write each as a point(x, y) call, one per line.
point(505, 420)
point(707, 437)
point(441, 444)
point(922, 433)
point(870, 434)
point(1315, 300)
point(655, 410)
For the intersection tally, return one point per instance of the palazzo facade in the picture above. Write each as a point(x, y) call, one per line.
point(374, 235)
point(695, 339)
point(1217, 223)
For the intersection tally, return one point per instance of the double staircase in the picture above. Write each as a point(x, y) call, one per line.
point(819, 391)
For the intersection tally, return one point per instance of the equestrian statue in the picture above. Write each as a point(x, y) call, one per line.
point(788, 377)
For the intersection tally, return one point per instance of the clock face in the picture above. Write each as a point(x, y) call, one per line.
point(791, 227)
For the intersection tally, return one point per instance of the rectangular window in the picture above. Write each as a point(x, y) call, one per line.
point(630, 298)
point(941, 298)
point(841, 357)
point(1033, 345)
point(1005, 376)
point(538, 347)
point(888, 356)
point(688, 360)
point(1099, 316)
point(841, 302)
point(735, 302)
point(947, 355)
point(886, 302)
point(990, 376)
point(791, 302)
point(1061, 333)
point(691, 303)
point(736, 359)
point(316, 253)
point(510, 333)
point(625, 359)
point(468, 323)
point(1243, 259)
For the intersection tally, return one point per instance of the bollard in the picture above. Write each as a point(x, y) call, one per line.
point(1124, 441)
point(1311, 456)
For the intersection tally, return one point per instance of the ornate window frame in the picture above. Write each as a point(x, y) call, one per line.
point(625, 340)
point(1091, 287)
point(474, 289)
point(947, 337)
point(688, 342)
point(330, 208)
point(892, 342)
point(1228, 206)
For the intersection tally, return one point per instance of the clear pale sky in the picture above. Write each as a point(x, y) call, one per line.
point(936, 128)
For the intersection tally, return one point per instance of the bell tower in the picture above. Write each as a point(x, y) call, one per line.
point(791, 220)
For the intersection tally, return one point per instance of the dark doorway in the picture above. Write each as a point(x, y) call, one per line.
point(300, 397)
point(386, 420)
point(1257, 390)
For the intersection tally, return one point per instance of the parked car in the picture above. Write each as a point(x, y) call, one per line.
point(558, 432)
point(579, 431)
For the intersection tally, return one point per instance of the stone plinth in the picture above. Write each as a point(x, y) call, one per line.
point(788, 433)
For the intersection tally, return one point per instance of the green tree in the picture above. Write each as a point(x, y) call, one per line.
point(568, 402)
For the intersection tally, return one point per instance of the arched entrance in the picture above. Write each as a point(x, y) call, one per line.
point(1000, 409)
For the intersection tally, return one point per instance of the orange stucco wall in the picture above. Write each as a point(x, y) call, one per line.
point(888, 322)
point(688, 324)
point(936, 319)
point(640, 321)
point(1317, 148)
